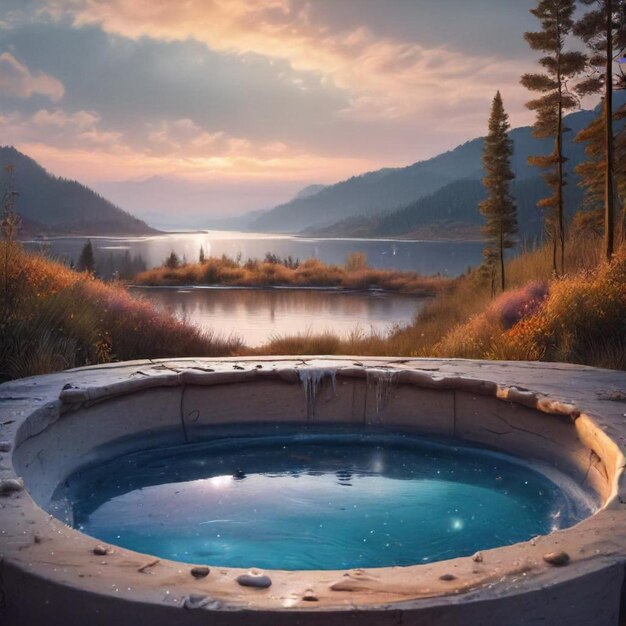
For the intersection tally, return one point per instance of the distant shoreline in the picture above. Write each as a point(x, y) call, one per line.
point(375, 291)
point(296, 236)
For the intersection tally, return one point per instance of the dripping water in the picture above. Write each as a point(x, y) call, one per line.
point(311, 379)
point(384, 381)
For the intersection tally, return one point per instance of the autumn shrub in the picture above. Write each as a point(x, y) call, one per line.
point(356, 261)
point(274, 271)
point(53, 318)
point(513, 306)
point(582, 321)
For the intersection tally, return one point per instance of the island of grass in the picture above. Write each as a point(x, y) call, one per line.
point(274, 271)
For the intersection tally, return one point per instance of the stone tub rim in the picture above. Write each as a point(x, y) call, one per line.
point(341, 589)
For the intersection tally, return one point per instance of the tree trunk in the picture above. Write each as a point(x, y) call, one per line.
point(561, 182)
point(609, 197)
point(502, 279)
point(554, 248)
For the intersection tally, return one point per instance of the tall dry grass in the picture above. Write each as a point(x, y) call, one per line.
point(579, 318)
point(52, 318)
point(310, 273)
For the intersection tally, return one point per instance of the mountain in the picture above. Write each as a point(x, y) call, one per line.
point(309, 191)
point(451, 213)
point(48, 204)
point(237, 222)
point(387, 190)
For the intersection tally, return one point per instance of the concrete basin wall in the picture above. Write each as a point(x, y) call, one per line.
point(544, 414)
point(559, 437)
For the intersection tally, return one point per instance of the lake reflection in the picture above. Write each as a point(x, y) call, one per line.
point(256, 315)
point(449, 258)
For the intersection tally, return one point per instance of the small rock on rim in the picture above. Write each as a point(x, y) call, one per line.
point(558, 559)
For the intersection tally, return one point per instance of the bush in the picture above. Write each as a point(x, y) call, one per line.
point(581, 320)
point(52, 318)
point(513, 306)
point(274, 270)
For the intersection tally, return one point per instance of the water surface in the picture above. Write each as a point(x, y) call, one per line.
point(257, 315)
point(317, 500)
point(425, 257)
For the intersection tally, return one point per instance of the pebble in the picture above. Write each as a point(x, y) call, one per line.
point(478, 557)
point(258, 581)
point(447, 577)
point(558, 559)
point(5, 446)
point(200, 571)
point(10, 485)
point(101, 550)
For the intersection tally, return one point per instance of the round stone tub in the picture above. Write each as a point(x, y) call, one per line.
point(568, 418)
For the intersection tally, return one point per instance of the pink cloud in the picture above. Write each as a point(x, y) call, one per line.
point(17, 80)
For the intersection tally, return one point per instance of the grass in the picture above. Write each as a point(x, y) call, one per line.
point(52, 318)
point(580, 318)
point(355, 275)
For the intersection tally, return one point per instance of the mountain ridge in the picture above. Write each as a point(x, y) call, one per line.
point(52, 205)
point(390, 189)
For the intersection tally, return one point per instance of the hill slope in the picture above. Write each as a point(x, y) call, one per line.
point(52, 205)
point(390, 189)
point(450, 213)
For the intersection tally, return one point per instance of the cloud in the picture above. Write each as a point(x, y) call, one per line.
point(387, 78)
point(17, 80)
point(258, 92)
point(79, 145)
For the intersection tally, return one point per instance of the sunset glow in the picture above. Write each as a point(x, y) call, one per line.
point(266, 95)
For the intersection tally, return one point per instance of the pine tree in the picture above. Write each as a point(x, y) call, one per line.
point(603, 29)
point(560, 67)
point(499, 207)
point(86, 260)
point(172, 262)
point(592, 172)
point(202, 256)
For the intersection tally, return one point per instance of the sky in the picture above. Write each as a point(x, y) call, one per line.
point(215, 107)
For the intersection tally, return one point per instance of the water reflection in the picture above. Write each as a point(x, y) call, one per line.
point(425, 257)
point(257, 314)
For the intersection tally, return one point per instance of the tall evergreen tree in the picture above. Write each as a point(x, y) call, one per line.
point(86, 260)
point(172, 262)
point(499, 207)
point(592, 172)
point(603, 29)
point(560, 67)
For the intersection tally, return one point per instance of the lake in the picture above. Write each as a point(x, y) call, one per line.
point(256, 315)
point(426, 257)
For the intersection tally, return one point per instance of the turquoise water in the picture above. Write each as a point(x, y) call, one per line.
point(316, 500)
